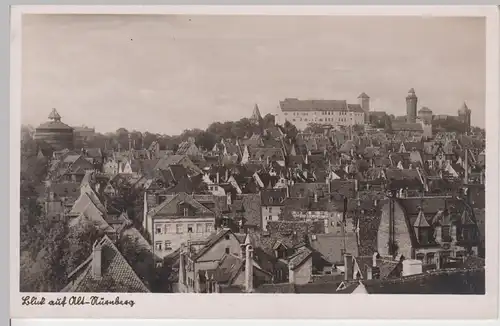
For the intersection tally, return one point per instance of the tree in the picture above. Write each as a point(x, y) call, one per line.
point(314, 128)
point(47, 269)
point(206, 140)
point(290, 130)
point(80, 240)
point(269, 120)
point(140, 259)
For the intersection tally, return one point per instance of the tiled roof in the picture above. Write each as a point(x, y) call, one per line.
point(331, 245)
point(308, 189)
point(299, 257)
point(274, 197)
point(355, 108)
point(276, 288)
point(290, 104)
point(252, 212)
point(406, 126)
point(54, 125)
point(113, 266)
point(458, 281)
point(184, 147)
point(174, 200)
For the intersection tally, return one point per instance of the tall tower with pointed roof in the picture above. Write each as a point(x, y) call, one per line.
point(256, 117)
point(55, 133)
point(411, 106)
point(464, 114)
point(364, 101)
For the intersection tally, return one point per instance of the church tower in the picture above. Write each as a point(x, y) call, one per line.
point(364, 102)
point(411, 106)
point(256, 117)
point(464, 115)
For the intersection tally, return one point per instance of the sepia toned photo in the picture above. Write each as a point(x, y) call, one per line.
point(251, 154)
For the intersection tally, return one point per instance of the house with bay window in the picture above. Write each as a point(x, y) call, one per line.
point(178, 219)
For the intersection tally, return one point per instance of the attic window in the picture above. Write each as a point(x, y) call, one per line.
point(186, 211)
point(226, 237)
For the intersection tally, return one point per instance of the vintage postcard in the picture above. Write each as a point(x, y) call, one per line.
point(307, 162)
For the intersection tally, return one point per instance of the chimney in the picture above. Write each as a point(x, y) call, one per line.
point(412, 267)
point(466, 168)
point(227, 175)
point(217, 181)
point(374, 259)
point(347, 266)
point(249, 269)
point(97, 260)
point(182, 267)
point(453, 233)
point(356, 185)
point(438, 233)
point(369, 275)
point(315, 197)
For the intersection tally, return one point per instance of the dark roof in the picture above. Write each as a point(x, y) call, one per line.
point(276, 288)
point(458, 281)
point(330, 245)
point(251, 209)
point(274, 197)
point(293, 104)
point(355, 108)
point(406, 126)
point(114, 266)
point(54, 125)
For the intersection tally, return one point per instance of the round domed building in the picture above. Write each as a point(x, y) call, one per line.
point(55, 133)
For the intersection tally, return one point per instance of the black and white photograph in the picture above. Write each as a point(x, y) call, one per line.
point(252, 154)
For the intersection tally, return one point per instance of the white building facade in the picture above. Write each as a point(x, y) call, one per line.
point(333, 113)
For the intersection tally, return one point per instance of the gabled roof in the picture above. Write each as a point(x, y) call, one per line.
point(113, 266)
point(421, 221)
point(212, 240)
point(299, 258)
point(180, 197)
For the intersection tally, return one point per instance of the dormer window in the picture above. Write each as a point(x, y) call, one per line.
point(185, 211)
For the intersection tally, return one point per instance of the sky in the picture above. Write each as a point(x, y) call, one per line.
point(167, 73)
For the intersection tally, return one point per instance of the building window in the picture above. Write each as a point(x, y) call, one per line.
point(158, 229)
point(199, 228)
point(167, 228)
point(209, 227)
point(158, 245)
point(190, 228)
point(420, 257)
point(226, 237)
point(227, 250)
point(186, 211)
point(270, 209)
point(178, 228)
point(168, 245)
point(430, 258)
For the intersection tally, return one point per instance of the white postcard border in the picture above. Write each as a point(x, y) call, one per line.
point(303, 306)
